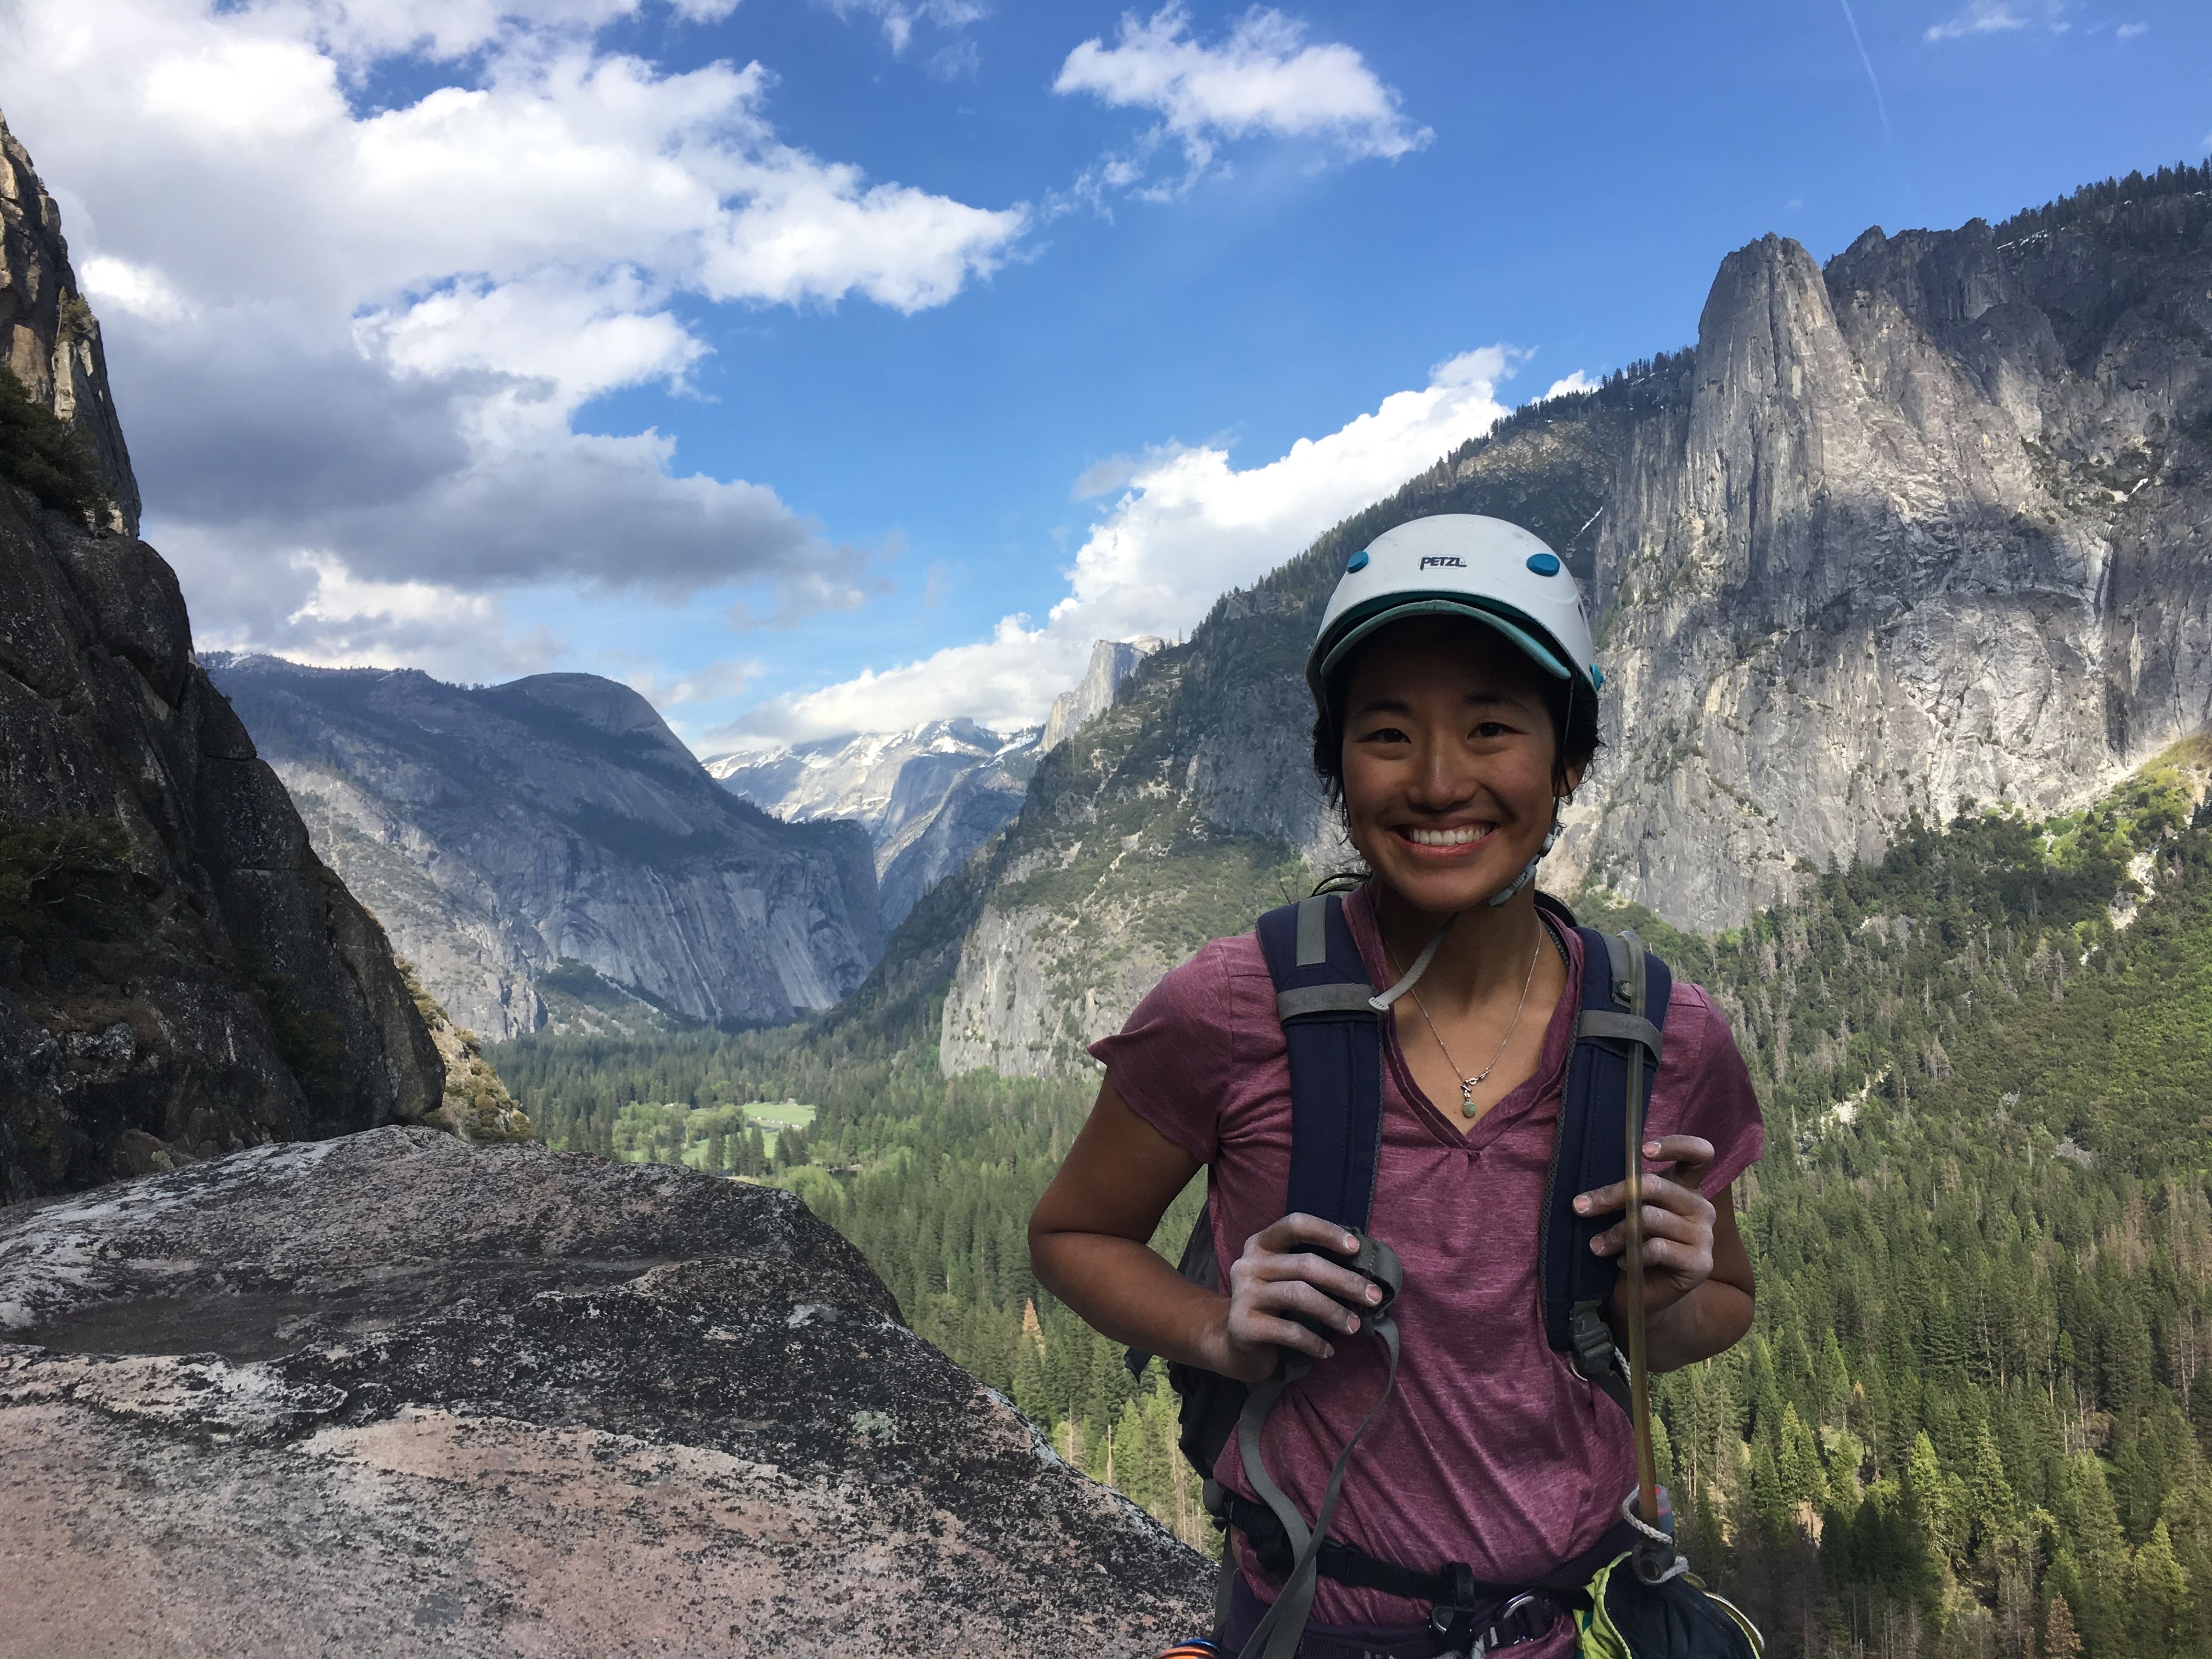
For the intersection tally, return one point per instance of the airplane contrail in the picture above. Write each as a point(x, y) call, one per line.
point(1881, 107)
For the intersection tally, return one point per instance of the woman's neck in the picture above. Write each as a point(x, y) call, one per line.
point(1485, 954)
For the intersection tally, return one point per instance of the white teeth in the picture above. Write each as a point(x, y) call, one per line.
point(1447, 837)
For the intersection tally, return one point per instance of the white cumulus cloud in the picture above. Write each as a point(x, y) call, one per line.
point(353, 341)
point(1262, 79)
point(1187, 525)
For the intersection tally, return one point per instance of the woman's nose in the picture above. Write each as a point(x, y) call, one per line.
point(1440, 781)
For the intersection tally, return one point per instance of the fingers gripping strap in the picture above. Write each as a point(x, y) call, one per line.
point(1589, 1146)
point(1284, 1624)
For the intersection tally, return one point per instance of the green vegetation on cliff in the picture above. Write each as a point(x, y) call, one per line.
point(476, 1105)
point(46, 455)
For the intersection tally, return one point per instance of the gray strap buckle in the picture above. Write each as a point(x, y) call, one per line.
point(1490, 1638)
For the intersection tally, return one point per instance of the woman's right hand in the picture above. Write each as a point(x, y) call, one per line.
point(1279, 1276)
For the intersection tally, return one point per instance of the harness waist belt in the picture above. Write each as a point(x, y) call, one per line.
point(1451, 1586)
point(1501, 1624)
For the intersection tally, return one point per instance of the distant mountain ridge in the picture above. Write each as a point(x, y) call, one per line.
point(929, 796)
point(499, 832)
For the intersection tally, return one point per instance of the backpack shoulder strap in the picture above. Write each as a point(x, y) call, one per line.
point(1334, 1036)
point(1619, 1027)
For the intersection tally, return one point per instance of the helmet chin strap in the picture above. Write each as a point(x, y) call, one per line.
point(1529, 869)
point(1381, 1004)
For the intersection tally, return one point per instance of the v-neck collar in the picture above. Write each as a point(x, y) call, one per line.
point(1551, 1062)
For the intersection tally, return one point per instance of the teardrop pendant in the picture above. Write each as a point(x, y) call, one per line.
point(1466, 1096)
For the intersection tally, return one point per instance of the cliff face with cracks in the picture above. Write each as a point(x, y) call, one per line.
point(1931, 525)
point(49, 338)
point(1926, 526)
point(179, 974)
point(499, 831)
point(388, 1393)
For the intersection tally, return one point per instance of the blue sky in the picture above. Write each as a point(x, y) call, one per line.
point(395, 292)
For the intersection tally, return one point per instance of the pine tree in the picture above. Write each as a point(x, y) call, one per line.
point(1803, 1480)
point(1770, 1499)
point(2092, 1526)
point(1927, 1500)
point(1832, 1381)
point(1991, 1508)
point(2162, 1609)
point(2060, 1639)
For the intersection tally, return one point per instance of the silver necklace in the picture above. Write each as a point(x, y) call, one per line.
point(1468, 1084)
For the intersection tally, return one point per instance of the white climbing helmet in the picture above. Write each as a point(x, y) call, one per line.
point(1458, 564)
point(1461, 564)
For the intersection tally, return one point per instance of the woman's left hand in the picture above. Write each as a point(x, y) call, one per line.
point(1678, 1222)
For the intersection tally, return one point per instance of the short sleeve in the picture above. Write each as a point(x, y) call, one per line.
point(1175, 1059)
point(1711, 1095)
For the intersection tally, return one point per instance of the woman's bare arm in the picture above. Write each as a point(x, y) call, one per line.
point(1088, 1246)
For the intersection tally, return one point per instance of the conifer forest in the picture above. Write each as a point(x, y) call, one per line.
point(1974, 1416)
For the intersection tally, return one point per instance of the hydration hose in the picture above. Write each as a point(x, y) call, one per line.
point(1381, 1004)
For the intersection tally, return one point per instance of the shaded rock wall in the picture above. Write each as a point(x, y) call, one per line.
point(389, 1393)
point(179, 974)
point(212, 986)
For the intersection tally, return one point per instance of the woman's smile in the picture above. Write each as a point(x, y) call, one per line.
point(1445, 845)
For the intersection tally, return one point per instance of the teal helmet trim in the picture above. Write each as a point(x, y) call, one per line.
point(1356, 625)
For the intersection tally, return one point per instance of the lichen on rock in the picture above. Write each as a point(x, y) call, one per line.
point(387, 1392)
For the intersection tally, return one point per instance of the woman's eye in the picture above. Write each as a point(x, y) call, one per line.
point(1492, 729)
point(1388, 734)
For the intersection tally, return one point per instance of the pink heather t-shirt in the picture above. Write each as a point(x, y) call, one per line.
point(1492, 1451)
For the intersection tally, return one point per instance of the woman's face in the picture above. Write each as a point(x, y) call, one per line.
point(1448, 752)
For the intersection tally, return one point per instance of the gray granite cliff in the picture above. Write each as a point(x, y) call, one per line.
point(49, 338)
point(498, 831)
point(390, 1393)
point(1929, 527)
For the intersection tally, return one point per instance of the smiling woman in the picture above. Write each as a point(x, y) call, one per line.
point(1457, 707)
